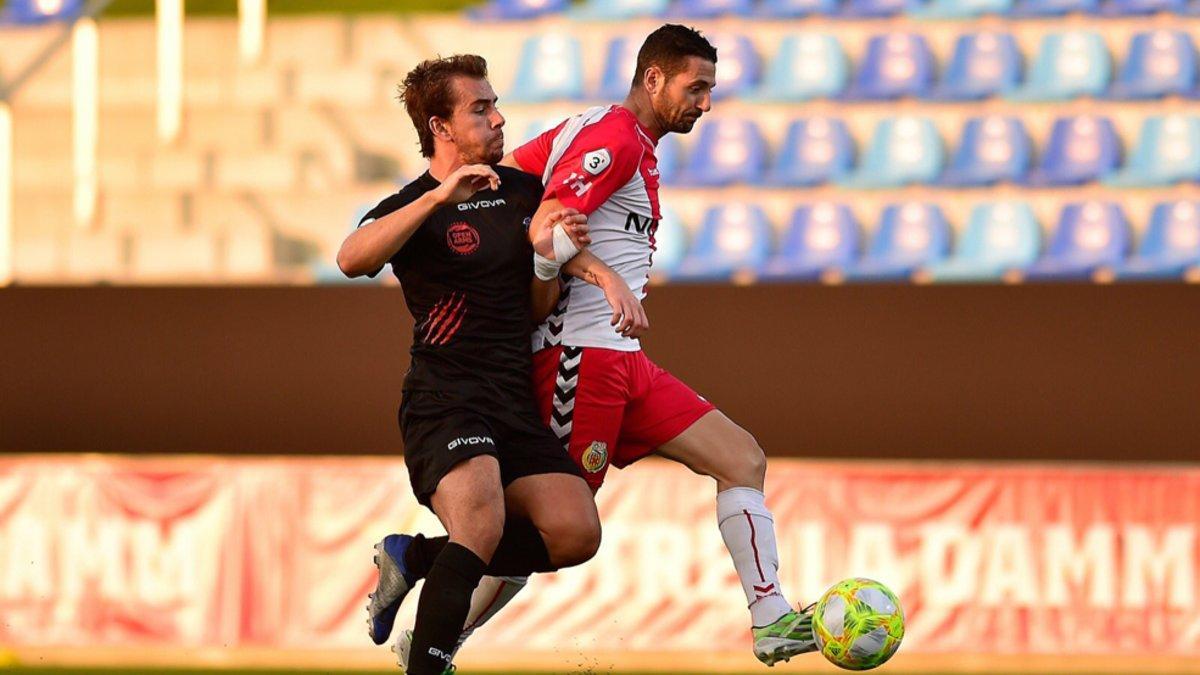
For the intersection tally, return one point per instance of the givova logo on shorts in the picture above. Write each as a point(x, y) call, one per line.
point(470, 440)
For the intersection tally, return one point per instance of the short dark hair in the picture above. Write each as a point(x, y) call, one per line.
point(669, 47)
point(426, 91)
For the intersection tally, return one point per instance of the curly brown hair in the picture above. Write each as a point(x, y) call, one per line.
point(427, 91)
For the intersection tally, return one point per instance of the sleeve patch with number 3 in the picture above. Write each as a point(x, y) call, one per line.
point(596, 161)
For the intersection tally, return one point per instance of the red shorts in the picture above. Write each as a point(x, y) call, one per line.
point(611, 407)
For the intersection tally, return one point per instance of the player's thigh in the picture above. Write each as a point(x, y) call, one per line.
point(561, 507)
point(715, 446)
point(469, 500)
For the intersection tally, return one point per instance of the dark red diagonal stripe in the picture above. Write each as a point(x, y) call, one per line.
point(453, 327)
point(754, 546)
point(437, 314)
point(450, 320)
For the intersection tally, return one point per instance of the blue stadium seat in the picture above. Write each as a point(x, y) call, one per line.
point(1081, 149)
point(816, 150)
point(1140, 7)
point(537, 127)
point(867, 9)
point(1160, 63)
point(738, 65)
point(903, 150)
point(733, 238)
point(895, 65)
point(957, 9)
point(710, 9)
point(1168, 152)
point(1034, 8)
point(516, 10)
point(1068, 65)
point(670, 159)
point(822, 237)
point(794, 9)
point(619, 64)
point(1170, 247)
point(670, 244)
point(618, 10)
point(550, 67)
point(39, 11)
point(729, 150)
point(1090, 236)
point(909, 236)
point(998, 237)
point(983, 65)
point(993, 149)
point(807, 66)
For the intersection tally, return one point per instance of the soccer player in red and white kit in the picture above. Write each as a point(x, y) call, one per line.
point(601, 395)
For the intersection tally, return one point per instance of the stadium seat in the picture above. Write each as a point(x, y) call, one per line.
point(1034, 8)
point(618, 10)
point(537, 127)
point(1090, 236)
point(619, 64)
point(738, 65)
point(516, 10)
point(982, 65)
point(39, 11)
point(807, 66)
point(903, 150)
point(1068, 65)
point(993, 149)
point(1139, 7)
point(733, 238)
point(998, 237)
point(325, 271)
point(794, 9)
point(550, 67)
point(1159, 63)
point(1081, 149)
point(1168, 152)
point(670, 244)
point(866, 9)
point(816, 150)
point(895, 65)
point(670, 159)
point(1170, 246)
point(822, 237)
point(957, 9)
point(710, 9)
point(909, 236)
point(729, 150)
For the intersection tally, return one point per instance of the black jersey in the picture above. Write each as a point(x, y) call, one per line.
point(466, 275)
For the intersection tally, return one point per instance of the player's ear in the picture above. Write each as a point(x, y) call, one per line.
point(654, 80)
point(439, 128)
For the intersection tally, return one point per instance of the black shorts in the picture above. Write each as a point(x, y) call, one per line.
point(439, 435)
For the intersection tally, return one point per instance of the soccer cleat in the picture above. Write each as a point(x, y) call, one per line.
point(402, 648)
point(790, 635)
point(394, 583)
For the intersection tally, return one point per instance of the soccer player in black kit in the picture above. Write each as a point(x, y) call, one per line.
point(512, 501)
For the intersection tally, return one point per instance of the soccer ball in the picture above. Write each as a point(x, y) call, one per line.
point(858, 624)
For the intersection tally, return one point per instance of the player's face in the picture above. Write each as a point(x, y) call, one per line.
point(686, 96)
point(476, 125)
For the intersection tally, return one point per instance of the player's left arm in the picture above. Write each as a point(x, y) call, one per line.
point(571, 239)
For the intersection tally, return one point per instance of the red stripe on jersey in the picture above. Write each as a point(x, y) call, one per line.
point(435, 316)
point(451, 323)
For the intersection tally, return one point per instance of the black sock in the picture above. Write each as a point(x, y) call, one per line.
point(521, 552)
point(442, 609)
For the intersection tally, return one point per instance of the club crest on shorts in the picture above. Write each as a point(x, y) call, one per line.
point(596, 161)
point(462, 238)
point(595, 457)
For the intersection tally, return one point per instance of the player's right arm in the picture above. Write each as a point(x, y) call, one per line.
point(369, 247)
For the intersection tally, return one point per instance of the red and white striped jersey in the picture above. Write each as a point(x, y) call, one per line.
point(602, 163)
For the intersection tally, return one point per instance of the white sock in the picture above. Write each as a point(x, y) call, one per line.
point(490, 596)
point(749, 533)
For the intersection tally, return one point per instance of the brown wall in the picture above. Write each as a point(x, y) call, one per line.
point(1045, 372)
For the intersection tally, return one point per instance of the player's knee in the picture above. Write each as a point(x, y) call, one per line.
point(748, 463)
point(574, 541)
point(481, 526)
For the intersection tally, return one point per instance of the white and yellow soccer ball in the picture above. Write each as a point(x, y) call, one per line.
point(858, 624)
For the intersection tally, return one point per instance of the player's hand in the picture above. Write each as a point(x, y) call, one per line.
point(574, 224)
point(628, 317)
point(465, 181)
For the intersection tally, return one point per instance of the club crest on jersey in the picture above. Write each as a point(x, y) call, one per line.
point(462, 238)
point(595, 457)
point(596, 161)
